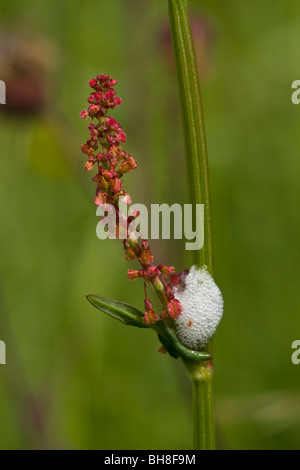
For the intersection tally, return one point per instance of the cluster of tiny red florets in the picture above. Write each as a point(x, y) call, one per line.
point(103, 148)
point(156, 275)
point(104, 152)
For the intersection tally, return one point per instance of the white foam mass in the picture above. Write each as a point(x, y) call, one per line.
point(202, 304)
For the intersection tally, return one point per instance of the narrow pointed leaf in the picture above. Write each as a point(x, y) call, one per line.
point(169, 346)
point(174, 347)
point(127, 314)
point(132, 316)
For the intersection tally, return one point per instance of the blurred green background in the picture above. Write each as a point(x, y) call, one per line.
point(75, 379)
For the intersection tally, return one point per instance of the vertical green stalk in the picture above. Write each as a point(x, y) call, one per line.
point(193, 122)
point(200, 373)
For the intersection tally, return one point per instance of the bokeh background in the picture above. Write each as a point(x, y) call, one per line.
point(75, 379)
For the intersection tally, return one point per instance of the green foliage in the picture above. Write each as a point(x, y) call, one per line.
point(125, 313)
point(132, 316)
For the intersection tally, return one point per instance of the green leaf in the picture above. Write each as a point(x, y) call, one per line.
point(132, 316)
point(127, 314)
point(169, 346)
point(174, 347)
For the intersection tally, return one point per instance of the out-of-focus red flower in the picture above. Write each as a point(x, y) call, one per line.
point(26, 63)
point(203, 34)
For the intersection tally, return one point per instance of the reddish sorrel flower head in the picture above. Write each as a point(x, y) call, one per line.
point(105, 154)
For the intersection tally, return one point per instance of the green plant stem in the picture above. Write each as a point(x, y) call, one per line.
point(200, 373)
point(193, 122)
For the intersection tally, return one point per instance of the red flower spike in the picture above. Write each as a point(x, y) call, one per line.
point(112, 162)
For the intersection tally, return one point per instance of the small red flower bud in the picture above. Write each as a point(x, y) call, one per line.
point(117, 101)
point(165, 270)
point(121, 136)
point(107, 175)
point(93, 83)
point(174, 308)
point(148, 305)
point(99, 156)
point(88, 166)
point(134, 214)
point(164, 316)
point(94, 109)
point(124, 168)
point(91, 99)
point(174, 281)
point(129, 254)
point(169, 292)
point(178, 280)
point(132, 163)
point(84, 114)
point(146, 258)
point(116, 185)
point(143, 273)
point(133, 274)
point(145, 245)
point(151, 272)
point(85, 148)
point(100, 198)
point(150, 318)
point(94, 132)
point(102, 78)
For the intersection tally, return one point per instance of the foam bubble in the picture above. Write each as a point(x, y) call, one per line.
point(202, 304)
